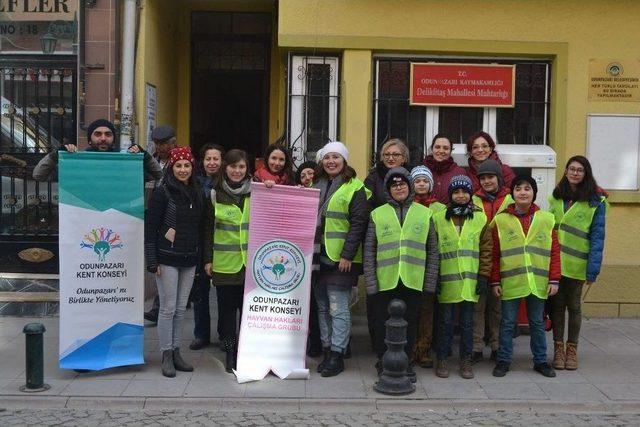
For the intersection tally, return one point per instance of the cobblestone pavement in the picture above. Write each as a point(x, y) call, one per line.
point(106, 418)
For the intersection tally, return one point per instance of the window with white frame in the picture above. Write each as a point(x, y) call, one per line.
point(312, 104)
point(394, 117)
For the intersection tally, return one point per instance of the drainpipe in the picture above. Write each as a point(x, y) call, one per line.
point(128, 60)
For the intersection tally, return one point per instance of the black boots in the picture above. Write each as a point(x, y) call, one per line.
point(327, 353)
point(168, 368)
point(179, 363)
point(231, 347)
point(334, 365)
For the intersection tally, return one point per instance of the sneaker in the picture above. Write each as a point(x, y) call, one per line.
point(501, 369)
point(476, 357)
point(466, 371)
point(545, 369)
point(334, 366)
point(442, 370)
point(151, 316)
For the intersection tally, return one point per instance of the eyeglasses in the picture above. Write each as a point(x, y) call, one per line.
point(394, 155)
point(480, 147)
point(399, 185)
point(578, 171)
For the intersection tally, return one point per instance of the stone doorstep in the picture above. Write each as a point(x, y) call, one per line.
point(314, 405)
point(29, 296)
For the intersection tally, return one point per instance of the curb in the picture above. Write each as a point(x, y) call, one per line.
point(316, 405)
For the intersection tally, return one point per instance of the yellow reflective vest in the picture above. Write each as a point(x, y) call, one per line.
point(573, 235)
point(459, 257)
point(524, 260)
point(505, 202)
point(230, 237)
point(401, 253)
point(336, 225)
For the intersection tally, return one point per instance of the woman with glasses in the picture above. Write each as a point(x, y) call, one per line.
point(480, 147)
point(394, 153)
point(442, 166)
point(580, 207)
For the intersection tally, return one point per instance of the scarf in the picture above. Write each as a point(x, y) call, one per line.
point(263, 174)
point(465, 210)
point(236, 190)
point(327, 188)
point(438, 168)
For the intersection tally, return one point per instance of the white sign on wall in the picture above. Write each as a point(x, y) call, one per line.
point(151, 101)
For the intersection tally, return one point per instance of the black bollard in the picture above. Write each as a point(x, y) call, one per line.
point(34, 358)
point(394, 379)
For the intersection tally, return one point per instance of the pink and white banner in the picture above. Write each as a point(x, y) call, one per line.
point(275, 313)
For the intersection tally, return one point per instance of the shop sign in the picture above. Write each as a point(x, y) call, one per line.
point(463, 85)
point(614, 80)
point(38, 26)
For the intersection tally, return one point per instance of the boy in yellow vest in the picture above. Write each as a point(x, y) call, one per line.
point(492, 197)
point(465, 266)
point(526, 264)
point(400, 258)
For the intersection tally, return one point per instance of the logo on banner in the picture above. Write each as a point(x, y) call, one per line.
point(278, 266)
point(101, 241)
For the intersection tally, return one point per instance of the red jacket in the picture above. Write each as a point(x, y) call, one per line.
point(507, 172)
point(442, 174)
point(425, 201)
point(491, 207)
point(525, 220)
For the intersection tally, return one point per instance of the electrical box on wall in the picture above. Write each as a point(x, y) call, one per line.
point(538, 161)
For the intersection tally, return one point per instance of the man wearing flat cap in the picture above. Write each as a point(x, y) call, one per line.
point(164, 139)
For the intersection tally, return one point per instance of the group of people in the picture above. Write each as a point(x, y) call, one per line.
point(453, 244)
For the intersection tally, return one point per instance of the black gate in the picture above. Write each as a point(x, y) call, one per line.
point(38, 115)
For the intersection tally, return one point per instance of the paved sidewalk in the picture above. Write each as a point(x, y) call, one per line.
point(608, 379)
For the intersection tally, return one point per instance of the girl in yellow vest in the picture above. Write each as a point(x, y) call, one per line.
point(526, 264)
point(579, 207)
point(400, 258)
point(422, 182)
point(465, 266)
point(225, 248)
point(341, 225)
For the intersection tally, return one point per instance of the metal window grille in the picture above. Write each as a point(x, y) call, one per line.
point(526, 123)
point(38, 116)
point(312, 104)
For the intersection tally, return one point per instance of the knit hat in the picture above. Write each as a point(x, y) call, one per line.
point(306, 165)
point(180, 153)
point(525, 178)
point(422, 172)
point(490, 167)
point(460, 181)
point(100, 123)
point(334, 147)
point(397, 176)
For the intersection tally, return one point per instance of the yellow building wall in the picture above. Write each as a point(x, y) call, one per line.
point(156, 64)
point(569, 32)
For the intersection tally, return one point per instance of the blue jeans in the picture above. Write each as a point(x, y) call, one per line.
point(174, 285)
point(535, 312)
point(445, 329)
point(334, 316)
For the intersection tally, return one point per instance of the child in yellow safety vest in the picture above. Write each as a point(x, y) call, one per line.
point(465, 266)
point(400, 258)
point(526, 264)
point(580, 208)
point(423, 183)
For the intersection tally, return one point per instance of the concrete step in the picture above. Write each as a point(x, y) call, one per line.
point(23, 294)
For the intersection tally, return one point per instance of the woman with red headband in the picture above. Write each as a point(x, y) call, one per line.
point(173, 227)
